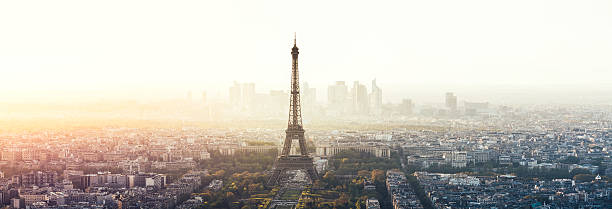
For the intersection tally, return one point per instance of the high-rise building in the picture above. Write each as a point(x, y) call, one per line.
point(406, 107)
point(242, 96)
point(278, 103)
point(337, 97)
point(309, 97)
point(248, 96)
point(375, 99)
point(235, 95)
point(359, 95)
point(451, 101)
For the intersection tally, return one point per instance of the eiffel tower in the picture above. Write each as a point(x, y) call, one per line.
point(295, 131)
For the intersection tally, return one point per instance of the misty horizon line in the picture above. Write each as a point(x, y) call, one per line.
point(392, 93)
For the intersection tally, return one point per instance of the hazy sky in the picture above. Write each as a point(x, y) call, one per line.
point(71, 50)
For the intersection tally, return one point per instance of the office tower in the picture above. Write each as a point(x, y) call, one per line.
point(375, 99)
point(242, 96)
point(309, 99)
point(337, 98)
point(248, 96)
point(359, 95)
point(294, 131)
point(277, 103)
point(235, 95)
point(451, 101)
point(406, 107)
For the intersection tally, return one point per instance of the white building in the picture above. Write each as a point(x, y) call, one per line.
point(328, 150)
point(459, 159)
point(372, 204)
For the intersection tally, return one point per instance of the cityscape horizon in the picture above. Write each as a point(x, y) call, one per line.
point(472, 104)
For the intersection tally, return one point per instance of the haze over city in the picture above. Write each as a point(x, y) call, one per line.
point(75, 51)
point(475, 104)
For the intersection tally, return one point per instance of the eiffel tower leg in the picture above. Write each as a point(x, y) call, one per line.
point(276, 173)
point(312, 173)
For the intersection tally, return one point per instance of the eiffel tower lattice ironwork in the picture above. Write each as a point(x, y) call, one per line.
point(295, 131)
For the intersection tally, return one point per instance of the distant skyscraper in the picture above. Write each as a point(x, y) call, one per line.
point(337, 97)
point(376, 99)
point(242, 96)
point(235, 95)
point(278, 102)
point(248, 96)
point(359, 95)
point(309, 98)
point(406, 107)
point(451, 101)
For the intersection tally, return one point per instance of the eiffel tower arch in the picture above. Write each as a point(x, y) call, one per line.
point(295, 131)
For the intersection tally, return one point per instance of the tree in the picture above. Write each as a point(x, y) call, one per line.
point(330, 178)
point(578, 171)
point(363, 173)
point(342, 200)
point(219, 173)
point(584, 177)
point(571, 160)
point(230, 197)
point(378, 175)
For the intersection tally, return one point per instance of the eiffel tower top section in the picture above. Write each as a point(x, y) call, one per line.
point(295, 110)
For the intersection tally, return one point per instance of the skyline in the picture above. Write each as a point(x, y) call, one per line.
point(394, 93)
point(415, 50)
point(394, 104)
